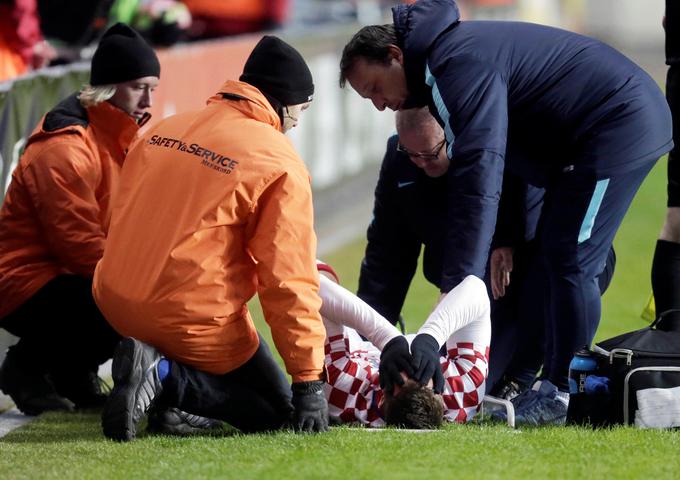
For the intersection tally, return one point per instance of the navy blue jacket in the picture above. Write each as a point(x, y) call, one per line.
point(409, 213)
point(536, 98)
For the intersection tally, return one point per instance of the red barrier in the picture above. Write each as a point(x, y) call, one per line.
point(192, 73)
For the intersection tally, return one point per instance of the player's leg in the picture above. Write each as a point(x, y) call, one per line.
point(666, 262)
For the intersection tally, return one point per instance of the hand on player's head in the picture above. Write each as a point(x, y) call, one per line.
point(394, 359)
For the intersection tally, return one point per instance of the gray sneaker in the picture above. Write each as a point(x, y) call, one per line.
point(135, 386)
point(546, 409)
point(173, 421)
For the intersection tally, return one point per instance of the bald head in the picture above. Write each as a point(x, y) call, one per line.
point(422, 139)
point(418, 121)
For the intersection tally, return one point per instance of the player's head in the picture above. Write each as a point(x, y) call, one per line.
point(373, 65)
point(422, 139)
point(282, 75)
point(413, 405)
point(125, 71)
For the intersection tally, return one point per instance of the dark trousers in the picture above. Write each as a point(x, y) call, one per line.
point(518, 318)
point(517, 325)
point(578, 223)
point(60, 328)
point(255, 397)
point(673, 97)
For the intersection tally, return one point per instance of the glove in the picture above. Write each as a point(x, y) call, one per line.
point(394, 359)
point(425, 350)
point(311, 407)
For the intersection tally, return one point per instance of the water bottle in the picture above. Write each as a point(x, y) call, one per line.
point(582, 365)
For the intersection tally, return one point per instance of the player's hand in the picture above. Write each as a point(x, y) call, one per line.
point(394, 359)
point(500, 264)
point(425, 350)
point(311, 407)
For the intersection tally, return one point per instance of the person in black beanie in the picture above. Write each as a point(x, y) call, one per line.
point(237, 221)
point(55, 219)
point(281, 74)
point(666, 262)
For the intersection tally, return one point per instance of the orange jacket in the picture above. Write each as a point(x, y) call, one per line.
point(215, 205)
point(57, 209)
point(253, 10)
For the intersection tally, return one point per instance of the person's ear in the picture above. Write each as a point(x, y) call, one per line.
point(396, 54)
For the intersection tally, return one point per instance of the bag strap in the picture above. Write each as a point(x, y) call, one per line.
point(662, 315)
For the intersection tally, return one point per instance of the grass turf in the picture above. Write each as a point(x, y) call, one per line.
point(72, 446)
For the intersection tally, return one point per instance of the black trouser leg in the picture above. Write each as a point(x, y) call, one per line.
point(666, 281)
point(61, 329)
point(253, 398)
point(517, 324)
point(673, 97)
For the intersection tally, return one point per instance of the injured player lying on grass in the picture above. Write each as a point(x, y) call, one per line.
point(460, 321)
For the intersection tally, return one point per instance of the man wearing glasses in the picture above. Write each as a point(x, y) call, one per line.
point(410, 212)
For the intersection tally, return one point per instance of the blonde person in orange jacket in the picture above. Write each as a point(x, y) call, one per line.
point(53, 226)
point(215, 206)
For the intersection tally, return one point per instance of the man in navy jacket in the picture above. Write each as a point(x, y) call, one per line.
point(561, 111)
point(409, 215)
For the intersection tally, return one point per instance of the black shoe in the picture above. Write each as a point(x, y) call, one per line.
point(507, 389)
point(31, 391)
point(173, 421)
point(84, 388)
point(135, 386)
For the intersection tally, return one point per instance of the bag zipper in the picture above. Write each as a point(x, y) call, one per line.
point(628, 354)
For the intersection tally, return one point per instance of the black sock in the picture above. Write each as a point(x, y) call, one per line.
point(666, 277)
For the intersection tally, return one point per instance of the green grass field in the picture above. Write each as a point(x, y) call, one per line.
point(72, 446)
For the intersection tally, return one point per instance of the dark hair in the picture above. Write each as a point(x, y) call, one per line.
point(415, 406)
point(371, 43)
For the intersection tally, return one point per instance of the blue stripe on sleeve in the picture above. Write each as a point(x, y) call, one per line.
point(441, 109)
point(593, 208)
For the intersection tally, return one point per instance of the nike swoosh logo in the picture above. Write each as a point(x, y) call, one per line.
point(404, 184)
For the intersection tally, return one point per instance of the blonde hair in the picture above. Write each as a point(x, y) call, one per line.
point(90, 96)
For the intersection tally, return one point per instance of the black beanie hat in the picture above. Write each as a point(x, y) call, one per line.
point(278, 70)
point(123, 55)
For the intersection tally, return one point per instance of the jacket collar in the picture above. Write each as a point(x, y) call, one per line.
point(418, 26)
point(253, 104)
point(114, 128)
point(115, 125)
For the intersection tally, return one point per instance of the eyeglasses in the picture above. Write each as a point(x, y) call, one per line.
point(424, 155)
